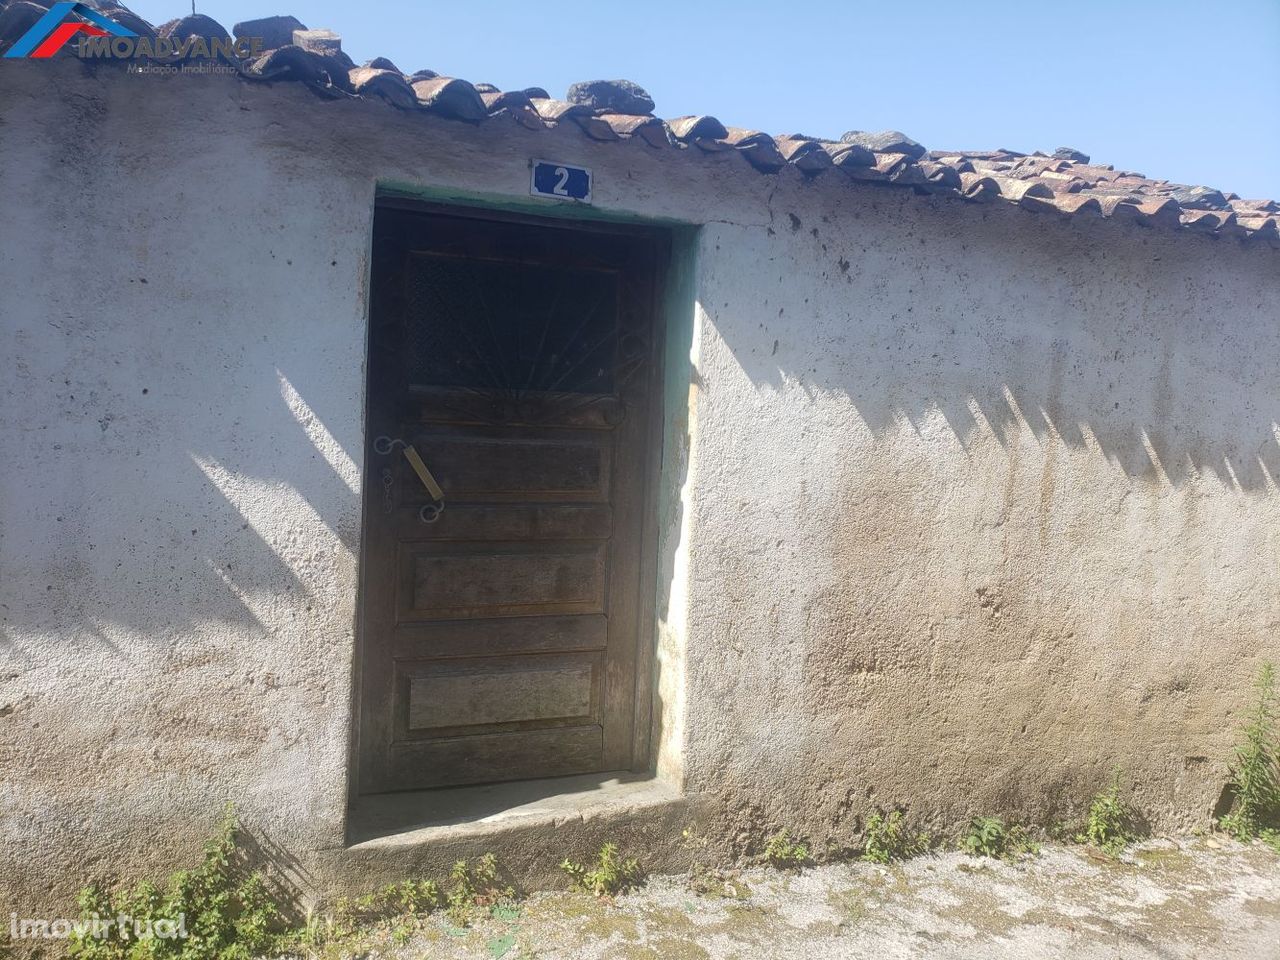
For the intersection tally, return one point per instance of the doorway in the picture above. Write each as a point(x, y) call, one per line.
point(507, 553)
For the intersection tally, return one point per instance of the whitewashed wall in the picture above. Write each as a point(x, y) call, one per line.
point(963, 505)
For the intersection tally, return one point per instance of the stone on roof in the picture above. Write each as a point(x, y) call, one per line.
point(273, 31)
point(611, 96)
point(1070, 153)
point(1065, 182)
point(324, 42)
point(195, 25)
point(886, 141)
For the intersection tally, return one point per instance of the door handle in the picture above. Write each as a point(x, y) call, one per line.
point(429, 512)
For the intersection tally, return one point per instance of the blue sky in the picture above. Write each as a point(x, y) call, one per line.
point(1187, 90)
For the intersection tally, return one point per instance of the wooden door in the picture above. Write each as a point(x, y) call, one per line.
point(501, 640)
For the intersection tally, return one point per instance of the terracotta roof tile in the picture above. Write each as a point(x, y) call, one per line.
point(1267, 226)
point(596, 128)
point(1034, 201)
point(649, 129)
point(984, 165)
point(764, 155)
point(979, 186)
point(1160, 211)
point(806, 155)
point(1065, 182)
point(557, 110)
point(1012, 188)
point(907, 174)
point(1065, 185)
point(294, 63)
point(868, 174)
point(1208, 220)
point(1117, 205)
point(1266, 206)
point(741, 136)
point(890, 163)
point(626, 124)
point(850, 155)
point(495, 100)
point(1130, 183)
point(1037, 166)
point(1073, 203)
point(390, 86)
point(450, 97)
point(940, 175)
point(526, 116)
point(711, 145)
point(1092, 171)
point(759, 148)
point(691, 128)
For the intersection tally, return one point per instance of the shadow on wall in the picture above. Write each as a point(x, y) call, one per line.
point(162, 515)
point(165, 485)
point(1154, 351)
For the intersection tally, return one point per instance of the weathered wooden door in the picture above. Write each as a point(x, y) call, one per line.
point(501, 639)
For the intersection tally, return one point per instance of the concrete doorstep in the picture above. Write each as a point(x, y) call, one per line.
point(1167, 899)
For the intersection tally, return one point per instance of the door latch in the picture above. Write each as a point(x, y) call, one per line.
point(429, 512)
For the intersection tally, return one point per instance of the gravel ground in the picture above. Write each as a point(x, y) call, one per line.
point(1166, 899)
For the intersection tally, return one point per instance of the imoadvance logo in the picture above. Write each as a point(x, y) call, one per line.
point(101, 37)
point(48, 34)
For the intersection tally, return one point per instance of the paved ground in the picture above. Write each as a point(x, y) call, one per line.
point(1196, 899)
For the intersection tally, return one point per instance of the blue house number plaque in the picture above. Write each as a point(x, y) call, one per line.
point(560, 181)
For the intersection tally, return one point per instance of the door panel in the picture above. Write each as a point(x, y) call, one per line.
point(501, 640)
point(455, 580)
point(488, 758)
point(502, 692)
point(443, 639)
point(483, 468)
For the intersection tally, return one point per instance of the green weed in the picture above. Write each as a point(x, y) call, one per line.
point(612, 874)
point(475, 887)
point(888, 839)
point(783, 852)
point(989, 837)
point(218, 911)
point(1111, 823)
point(1255, 771)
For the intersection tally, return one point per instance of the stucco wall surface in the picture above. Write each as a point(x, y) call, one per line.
point(962, 505)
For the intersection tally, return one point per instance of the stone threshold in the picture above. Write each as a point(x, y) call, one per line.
point(412, 819)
